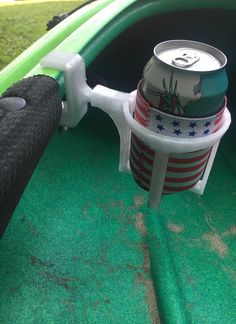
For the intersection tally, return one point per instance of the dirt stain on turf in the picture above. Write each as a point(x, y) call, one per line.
point(175, 228)
point(145, 276)
point(231, 231)
point(37, 261)
point(66, 282)
point(216, 243)
point(138, 201)
point(139, 224)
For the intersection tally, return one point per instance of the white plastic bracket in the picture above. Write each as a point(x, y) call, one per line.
point(157, 180)
point(78, 93)
point(112, 102)
point(201, 184)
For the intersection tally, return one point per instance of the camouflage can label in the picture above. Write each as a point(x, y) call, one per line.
point(185, 78)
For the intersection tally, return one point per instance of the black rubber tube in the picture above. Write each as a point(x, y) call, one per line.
point(24, 134)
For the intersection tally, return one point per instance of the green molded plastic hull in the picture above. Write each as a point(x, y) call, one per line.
point(82, 247)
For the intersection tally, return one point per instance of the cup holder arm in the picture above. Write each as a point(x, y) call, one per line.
point(112, 102)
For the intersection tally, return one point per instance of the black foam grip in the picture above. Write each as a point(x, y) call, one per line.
point(24, 134)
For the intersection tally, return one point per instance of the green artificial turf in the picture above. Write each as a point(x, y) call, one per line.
point(75, 251)
point(21, 25)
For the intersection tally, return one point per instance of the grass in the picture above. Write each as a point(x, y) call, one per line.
point(22, 24)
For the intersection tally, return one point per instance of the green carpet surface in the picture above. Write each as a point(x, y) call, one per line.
point(83, 248)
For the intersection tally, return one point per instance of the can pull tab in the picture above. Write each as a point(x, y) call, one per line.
point(185, 58)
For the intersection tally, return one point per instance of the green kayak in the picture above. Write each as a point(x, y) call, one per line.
point(79, 244)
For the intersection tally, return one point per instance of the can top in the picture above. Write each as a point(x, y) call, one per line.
point(190, 55)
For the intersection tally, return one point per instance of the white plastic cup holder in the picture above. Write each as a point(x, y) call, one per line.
point(169, 144)
point(165, 145)
point(120, 107)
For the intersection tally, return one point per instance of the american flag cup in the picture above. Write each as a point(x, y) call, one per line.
point(184, 170)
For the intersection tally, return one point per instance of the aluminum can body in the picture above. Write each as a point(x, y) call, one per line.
point(185, 78)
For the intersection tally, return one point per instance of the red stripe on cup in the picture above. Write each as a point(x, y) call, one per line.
point(142, 100)
point(217, 128)
point(141, 156)
point(219, 117)
point(142, 146)
point(173, 169)
point(140, 119)
point(140, 165)
point(217, 121)
point(180, 180)
point(188, 160)
point(143, 109)
point(139, 175)
point(168, 189)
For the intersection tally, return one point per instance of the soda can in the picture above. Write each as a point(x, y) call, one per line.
point(185, 78)
point(182, 94)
